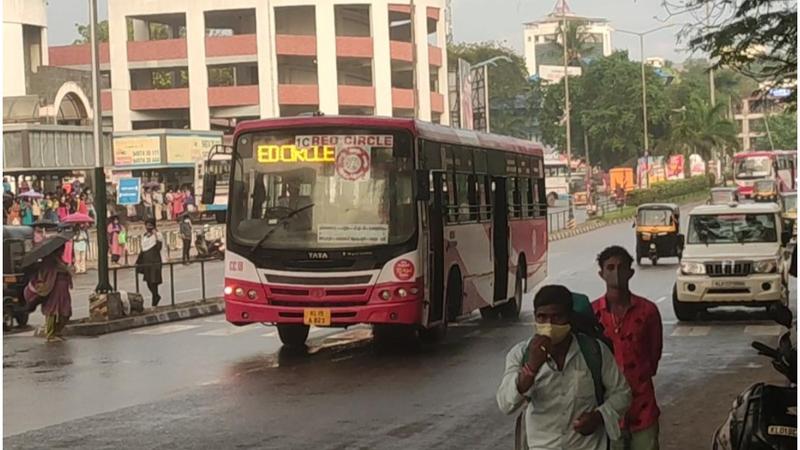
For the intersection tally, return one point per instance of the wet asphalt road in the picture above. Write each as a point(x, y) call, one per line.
point(206, 384)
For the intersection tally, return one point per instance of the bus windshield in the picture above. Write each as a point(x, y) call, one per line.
point(333, 189)
point(753, 167)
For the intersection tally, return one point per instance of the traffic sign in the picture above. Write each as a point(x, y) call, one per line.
point(129, 191)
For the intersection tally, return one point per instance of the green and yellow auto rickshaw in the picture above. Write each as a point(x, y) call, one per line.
point(788, 202)
point(658, 232)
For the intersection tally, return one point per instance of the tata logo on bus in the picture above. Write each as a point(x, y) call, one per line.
point(404, 270)
point(270, 154)
point(317, 255)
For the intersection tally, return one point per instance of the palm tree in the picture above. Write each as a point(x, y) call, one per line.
point(579, 42)
point(702, 129)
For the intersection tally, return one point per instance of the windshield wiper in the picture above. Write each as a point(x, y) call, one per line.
point(278, 224)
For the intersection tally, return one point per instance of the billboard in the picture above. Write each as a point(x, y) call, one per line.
point(189, 149)
point(465, 94)
point(136, 150)
point(469, 97)
point(675, 167)
point(697, 166)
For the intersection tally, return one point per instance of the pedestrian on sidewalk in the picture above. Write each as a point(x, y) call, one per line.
point(177, 204)
point(14, 216)
point(158, 203)
point(168, 204)
point(115, 232)
point(579, 394)
point(186, 237)
point(81, 247)
point(633, 324)
point(52, 283)
point(27, 213)
point(148, 263)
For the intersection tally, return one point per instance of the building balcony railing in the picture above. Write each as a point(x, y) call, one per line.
point(76, 55)
point(357, 96)
point(232, 95)
point(160, 99)
point(437, 102)
point(402, 98)
point(434, 56)
point(354, 47)
point(298, 94)
point(296, 45)
point(159, 50)
point(239, 45)
point(105, 100)
point(401, 51)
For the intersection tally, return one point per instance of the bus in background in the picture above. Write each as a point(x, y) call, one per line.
point(397, 223)
point(220, 166)
point(778, 165)
point(556, 177)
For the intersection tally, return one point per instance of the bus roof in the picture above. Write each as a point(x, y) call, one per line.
point(420, 128)
point(764, 153)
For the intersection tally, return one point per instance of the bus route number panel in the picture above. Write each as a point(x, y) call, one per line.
point(317, 317)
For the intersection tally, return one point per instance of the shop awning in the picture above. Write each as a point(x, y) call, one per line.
point(24, 108)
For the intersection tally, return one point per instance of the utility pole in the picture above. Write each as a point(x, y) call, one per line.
point(644, 116)
point(103, 286)
point(566, 94)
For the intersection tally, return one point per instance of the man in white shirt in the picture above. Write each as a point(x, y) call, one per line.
point(551, 376)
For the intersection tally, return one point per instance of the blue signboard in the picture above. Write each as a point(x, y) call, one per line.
point(129, 191)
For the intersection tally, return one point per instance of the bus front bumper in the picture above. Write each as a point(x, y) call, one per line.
point(400, 312)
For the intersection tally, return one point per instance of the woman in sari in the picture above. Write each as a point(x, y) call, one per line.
point(27, 213)
point(51, 285)
point(114, 230)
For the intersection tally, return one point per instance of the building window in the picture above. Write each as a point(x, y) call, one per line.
point(233, 75)
point(295, 20)
point(402, 75)
point(156, 28)
point(145, 79)
point(399, 26)
point(297, 70)
point(230, 22)
point(352, 20)
point(354, 71)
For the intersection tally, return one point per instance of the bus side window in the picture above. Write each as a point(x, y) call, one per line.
point(530, 205)
point(513, 196)
point(541, 197)
point(474, 201)
point(462, 203)
point(449, 199)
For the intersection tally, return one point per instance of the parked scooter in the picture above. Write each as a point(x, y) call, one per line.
point(764, 416)
point(208, 249)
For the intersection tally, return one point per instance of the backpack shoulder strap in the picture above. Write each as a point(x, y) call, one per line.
point(590, 349)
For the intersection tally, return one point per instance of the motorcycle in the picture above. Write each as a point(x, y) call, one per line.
point(209, 249)
point(764, 416)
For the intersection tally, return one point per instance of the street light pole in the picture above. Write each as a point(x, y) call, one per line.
point(566, 98)
point(644, 95)
point(103, 285)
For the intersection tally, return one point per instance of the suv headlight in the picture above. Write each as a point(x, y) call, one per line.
point(693, 268)
point(765, 266)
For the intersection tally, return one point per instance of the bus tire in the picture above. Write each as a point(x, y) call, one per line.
point(455, 295)
point(490, 313)
point(684, 312)
point(511, 309)
point(292, 334)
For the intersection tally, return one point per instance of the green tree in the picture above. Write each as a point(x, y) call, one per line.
point(783, 130)
point(701, 128)
point(757, 38)
point(606, 103)
point(85, 33)
point(579, 42)
point(513, 99)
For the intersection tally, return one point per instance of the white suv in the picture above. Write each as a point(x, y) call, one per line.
point(732, 256)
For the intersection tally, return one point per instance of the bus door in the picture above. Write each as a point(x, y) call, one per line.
point(500, 237)
point(435, 264)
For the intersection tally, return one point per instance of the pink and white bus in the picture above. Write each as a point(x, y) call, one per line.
point(779, 165)
point(402, 224)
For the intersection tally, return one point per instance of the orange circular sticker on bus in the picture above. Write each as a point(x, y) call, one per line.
point(352, 163)
point(404, 269)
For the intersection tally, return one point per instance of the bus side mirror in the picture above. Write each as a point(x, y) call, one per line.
point(423, 185)
point(209, 188)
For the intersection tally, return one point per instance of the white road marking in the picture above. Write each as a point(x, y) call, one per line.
point(227, 331)
point(685, 331)
point(666, 355)
point(166, 329)
point(661, 299)
point(763, 330)
point(187, 290)
point(216, 320)
point(270, 334)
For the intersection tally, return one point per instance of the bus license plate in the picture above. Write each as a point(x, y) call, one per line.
point(318, 317)
point(777, 430)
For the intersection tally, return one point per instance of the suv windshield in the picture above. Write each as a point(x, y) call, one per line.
point(732, 228)
point(323, 189)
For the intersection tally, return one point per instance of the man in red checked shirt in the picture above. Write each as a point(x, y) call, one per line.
point(633, 324)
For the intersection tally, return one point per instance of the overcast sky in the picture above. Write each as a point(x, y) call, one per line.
point(474, 20)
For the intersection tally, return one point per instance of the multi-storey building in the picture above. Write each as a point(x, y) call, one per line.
point(206, 64)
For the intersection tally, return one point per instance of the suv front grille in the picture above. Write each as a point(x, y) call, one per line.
point(729, 268)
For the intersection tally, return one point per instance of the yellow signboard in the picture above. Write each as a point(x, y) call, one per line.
point(137, 150)
point(189, 149)
point(291, 153)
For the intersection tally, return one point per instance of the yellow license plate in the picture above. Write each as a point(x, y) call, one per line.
point(9, 279)
point(318, 317)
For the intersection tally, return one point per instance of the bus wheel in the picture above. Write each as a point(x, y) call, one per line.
point(511, 309)
point(490, 313)
point(433, 335)
point(293, 335)
point(455, 295)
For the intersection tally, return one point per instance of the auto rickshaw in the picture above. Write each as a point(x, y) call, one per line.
point(788, 202)
point(723, 196)
point(17, 241)
point(765, 191)
point(658, 232)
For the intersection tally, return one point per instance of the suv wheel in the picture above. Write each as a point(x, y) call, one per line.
point(685, 312)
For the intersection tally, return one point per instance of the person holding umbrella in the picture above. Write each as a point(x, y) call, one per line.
point(148, 263)
point(50, 286)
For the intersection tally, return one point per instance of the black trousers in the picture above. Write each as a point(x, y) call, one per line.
point(154, 293)
point(187, 245)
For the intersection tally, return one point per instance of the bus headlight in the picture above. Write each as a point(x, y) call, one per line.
point(252, 294)
point(228, 290)
point(239, 292)
point(385, 294)
point(766, 266)
point(402, 293)
point(692, 268)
